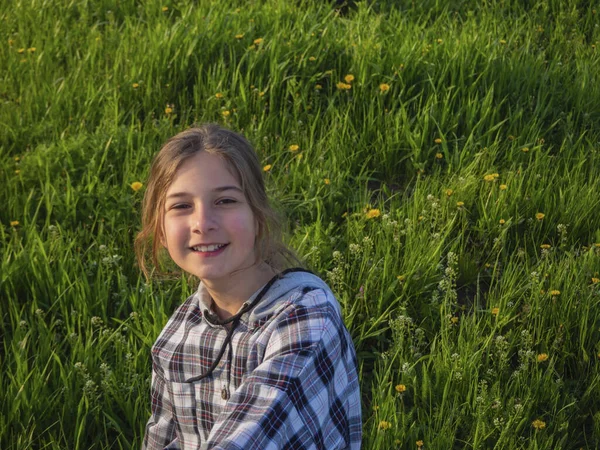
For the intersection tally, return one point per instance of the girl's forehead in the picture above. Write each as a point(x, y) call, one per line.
point(203, 168)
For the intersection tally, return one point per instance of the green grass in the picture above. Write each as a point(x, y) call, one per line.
point(447, 291)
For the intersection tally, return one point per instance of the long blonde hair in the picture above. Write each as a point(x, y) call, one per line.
point(241, 159)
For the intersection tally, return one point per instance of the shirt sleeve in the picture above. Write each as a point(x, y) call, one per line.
point(304, 394)
point(160, 429)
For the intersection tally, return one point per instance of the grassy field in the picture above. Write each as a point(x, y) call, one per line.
point(438, 164)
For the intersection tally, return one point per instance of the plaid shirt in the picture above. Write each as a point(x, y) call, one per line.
point(288, 380)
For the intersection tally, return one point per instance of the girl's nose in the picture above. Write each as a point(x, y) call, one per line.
point(203, 221)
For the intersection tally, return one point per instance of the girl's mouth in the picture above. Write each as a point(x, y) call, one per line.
point(209, 250)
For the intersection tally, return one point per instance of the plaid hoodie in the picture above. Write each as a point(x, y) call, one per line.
point(282, 375)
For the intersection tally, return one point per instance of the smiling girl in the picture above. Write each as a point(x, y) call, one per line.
point(258, 357)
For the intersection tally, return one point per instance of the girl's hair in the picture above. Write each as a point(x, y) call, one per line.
point(241, 159)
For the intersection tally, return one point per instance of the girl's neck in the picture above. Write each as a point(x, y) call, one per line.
point(229, 296)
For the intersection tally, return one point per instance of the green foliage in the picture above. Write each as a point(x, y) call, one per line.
point(447, 190)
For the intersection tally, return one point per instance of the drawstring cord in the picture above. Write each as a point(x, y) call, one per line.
point(235, 321)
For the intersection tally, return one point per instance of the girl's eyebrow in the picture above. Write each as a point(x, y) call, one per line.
point(217, 189)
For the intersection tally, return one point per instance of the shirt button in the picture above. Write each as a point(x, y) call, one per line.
point(225, 394)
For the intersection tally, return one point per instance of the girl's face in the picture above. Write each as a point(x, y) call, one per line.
point(209, 227)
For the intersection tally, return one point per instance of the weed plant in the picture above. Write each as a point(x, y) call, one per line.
point(438, 164)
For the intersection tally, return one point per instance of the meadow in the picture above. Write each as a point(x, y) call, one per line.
point(438, 163)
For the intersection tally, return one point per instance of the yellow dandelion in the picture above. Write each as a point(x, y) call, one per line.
point(318, 87)
point(135, 85)
point(294, 148)
point(11, 42)
point(136, 186)
point(538, 424)
point(14, 223)
point(400, 388)
point(495, 311)
point(349, 78)
point(267, 167)
point(17, 158)
point(258, 41)
point(597, 244)
point(595, 280)
point(460, 204)
point(327, 181)
point(261, 93)
point(503, 187)
point(437, 140)
point(343, 86)
point(31, 49)
point(219, 95)
point(21, 51)
point(525, 149)
point(239, 35)
point(420, 443)
point(165, 8)
point(17, 171)
point(439, 155)
point(540, 216)
point(168, 110)
point(384, 425)
point(449, 192)
point(454, 320)
point(545, 246)
point(373, 213)
point(542, 357)
point(299, 156)
point(384, 87)
point(502, 221)
point(439, 41)
point(226, 113)
point(312, 58)
point(502, 41)
point(420, 218)
point(511, 137)
point(401, 278)
point(555, 293)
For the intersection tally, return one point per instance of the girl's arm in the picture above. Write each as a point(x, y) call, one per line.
point(160, 429)
point(304, 394)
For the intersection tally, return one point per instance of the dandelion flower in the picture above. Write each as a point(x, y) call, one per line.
point(372, 213)
point(318, 87)
point(294, 148)
point(439, 155)
point(261, 93)
point(503, 187)
point(136, 186)
point(542, 357)
point(219, 95)
point(327, 181)
point(349, 78)
point(595, 280)
point(454, 320)
point(17, 171)
point(258, 41)
point(312, 58)
point(21, 51)
point(400, 388)
point(502, 41)
point(343, 86)
point(540, 216)
point(168, 110)
point(538, 424)
point(226, 113)
point(495, 311)
point(165, 8)
point(525, 149)
point(401, 278)
point(135, 85)
point(420, 443)
point(545, 246)
point(555, 293)
point(384, 87)
point(460, 204)
point(17, 158)
point(437, 140)
point(267, 167)
point(31, 49)
point(14, 223)
point(502, 221)
point(239, 36)
point(449, 192)
point(385, 425)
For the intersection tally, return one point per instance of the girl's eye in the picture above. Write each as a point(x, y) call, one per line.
point(226, 201)
point(179, 206)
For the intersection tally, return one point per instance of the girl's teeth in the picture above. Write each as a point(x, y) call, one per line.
point(207, 248)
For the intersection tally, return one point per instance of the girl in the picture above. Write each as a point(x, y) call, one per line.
point(258, 357)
